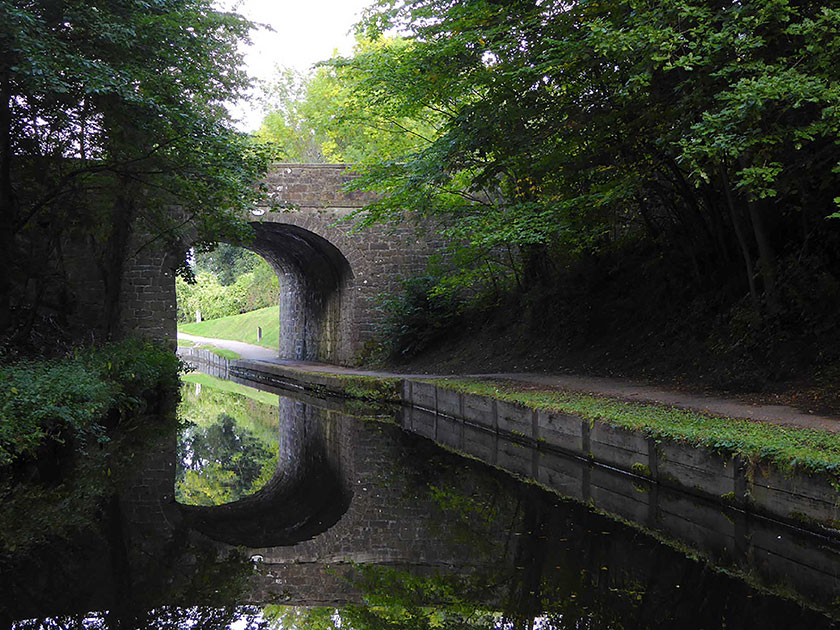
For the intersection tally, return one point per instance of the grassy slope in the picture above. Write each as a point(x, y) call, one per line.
point(240, 327)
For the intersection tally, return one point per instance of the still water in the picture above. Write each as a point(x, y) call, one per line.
point(267, 509)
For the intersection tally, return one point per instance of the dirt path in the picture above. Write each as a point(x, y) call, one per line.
point(616, 388)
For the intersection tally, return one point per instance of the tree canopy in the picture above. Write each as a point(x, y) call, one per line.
point(326, 116)
point(113, 120)
point(710, 130)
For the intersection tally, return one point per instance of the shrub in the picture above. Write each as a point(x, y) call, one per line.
point(417, 316)
point(251, 291)
point(71, 397)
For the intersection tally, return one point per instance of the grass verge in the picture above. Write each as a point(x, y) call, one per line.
point(788, 448)
point(360, 386)
point(241, 327)
point(220, 352)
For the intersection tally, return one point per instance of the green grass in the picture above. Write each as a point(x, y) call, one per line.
point(810, 450)
point(240, 327)
point(205, 380)
point(221, 352)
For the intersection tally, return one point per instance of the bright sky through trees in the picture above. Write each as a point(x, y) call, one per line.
point(304, 33)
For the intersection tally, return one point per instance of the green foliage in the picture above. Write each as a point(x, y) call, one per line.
point(324, 117)
point(241, 327)
point(112, 115)
point(228, 447)
point(220, 463)
point(251, 290)
point(71, 397)
point(302, 618)
point(417, 316)
point(564, 127)
point(227, 262)
point(266, 398)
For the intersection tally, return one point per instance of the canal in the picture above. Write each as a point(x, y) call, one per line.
point(261, 508)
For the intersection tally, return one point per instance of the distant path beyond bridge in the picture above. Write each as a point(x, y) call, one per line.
point(244, 350)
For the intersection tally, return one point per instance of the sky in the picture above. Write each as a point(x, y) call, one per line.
point(304, 32)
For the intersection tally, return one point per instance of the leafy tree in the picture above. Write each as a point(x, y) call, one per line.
point(285, 127)
point(710, 131)
point(112, 121)
point(227, 262)
point(251, 290)
point(323, 117)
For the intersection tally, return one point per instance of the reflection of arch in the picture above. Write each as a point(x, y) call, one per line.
point(315, 296)
point(308, 493)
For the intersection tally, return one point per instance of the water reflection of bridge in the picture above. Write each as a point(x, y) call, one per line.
point(352, 490)
point(382, 526)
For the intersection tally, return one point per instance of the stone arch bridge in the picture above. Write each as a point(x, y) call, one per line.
point(330, 275)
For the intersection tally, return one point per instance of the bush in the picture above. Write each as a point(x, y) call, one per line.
point(417, 316)
point(72, 396)
point(252, 290)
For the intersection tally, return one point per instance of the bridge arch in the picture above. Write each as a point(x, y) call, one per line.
point(317, 284)
point(330, 272)
point(310, 491)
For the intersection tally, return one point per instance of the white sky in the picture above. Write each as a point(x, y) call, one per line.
point(305, 32)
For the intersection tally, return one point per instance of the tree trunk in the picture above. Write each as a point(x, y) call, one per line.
point(536, 267)
point(739, 233)
point(767, 265)
point(8, 210)
point(767, 259)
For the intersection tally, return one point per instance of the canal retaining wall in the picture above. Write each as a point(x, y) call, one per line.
point(759, 487)
point(806, 500)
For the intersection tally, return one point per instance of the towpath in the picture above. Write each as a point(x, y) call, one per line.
point(615, 388)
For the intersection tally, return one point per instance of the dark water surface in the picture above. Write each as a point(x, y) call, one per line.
point(264, 511)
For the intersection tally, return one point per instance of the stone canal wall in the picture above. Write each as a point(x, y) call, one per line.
point(753, 486)
point(782, 558)
point(810, 501)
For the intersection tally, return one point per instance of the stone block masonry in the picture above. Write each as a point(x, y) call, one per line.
point(793, 497)
point(331, 274)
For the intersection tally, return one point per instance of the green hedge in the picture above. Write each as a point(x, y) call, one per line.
point(251, 291)
point(42, 400)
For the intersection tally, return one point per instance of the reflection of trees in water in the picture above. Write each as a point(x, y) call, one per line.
point(163, 618)
point(227, 448)
point(221, 463)
point(201, 405)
